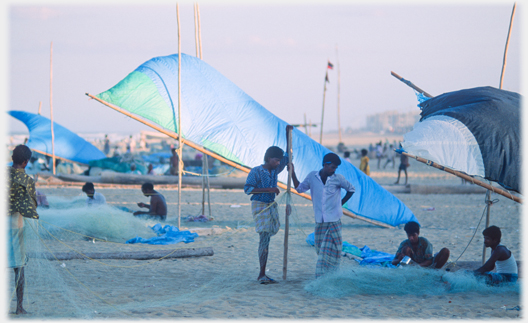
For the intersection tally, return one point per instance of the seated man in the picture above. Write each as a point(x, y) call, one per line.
point(94, 198)
point(419, 249)
point(501, 259)
point(157, 207)
point(42, 200)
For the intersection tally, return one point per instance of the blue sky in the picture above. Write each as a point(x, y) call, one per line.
point(275, 53)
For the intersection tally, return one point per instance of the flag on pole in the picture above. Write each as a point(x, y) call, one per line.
point(330, 66)
point(326, 77)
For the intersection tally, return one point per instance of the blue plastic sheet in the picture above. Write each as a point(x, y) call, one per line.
point(166, 235)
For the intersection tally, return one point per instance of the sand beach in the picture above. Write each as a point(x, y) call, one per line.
point(224, 285)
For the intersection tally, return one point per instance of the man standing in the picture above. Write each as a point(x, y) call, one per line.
point(261, 184)
point(325, 188)
point(22, 204)
point(158, 205)
point(174, 160)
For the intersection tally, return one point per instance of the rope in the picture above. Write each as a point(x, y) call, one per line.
point(488, 204)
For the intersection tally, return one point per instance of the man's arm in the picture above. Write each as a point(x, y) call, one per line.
point(346, 198)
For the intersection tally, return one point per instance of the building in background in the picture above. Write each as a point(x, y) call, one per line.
point(392, 121)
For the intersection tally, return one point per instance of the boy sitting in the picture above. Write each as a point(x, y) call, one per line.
point(501, 259)
point(419, 249)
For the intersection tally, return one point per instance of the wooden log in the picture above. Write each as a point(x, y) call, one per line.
point(411, 85)
point(136, 255)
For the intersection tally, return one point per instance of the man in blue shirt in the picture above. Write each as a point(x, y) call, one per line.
point(261, 184)
point(325, 188)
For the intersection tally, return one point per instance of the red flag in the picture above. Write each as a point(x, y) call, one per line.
point(330, 66)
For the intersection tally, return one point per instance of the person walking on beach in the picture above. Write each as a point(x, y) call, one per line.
point(261, 184)
point(404, 163)
point(419, 249)
point(158, 205)
point(364, 164)
point(325, 188)
point(22, 204)
point(391, 155)
point(501, 259)
point(174, 160)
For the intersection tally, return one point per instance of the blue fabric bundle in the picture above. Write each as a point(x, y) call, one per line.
point(166, 235)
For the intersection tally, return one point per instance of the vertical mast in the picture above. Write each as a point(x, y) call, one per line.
point(51, 110)
point(180, 144)
point(338, 98)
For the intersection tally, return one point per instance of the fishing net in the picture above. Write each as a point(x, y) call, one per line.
point(354, 280)
point(80, 265)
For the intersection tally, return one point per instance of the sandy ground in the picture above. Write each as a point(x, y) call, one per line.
point(224, 285)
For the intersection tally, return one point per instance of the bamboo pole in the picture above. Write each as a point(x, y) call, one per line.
point(322, 113)
point(220, 158)
point(199, 30)
point(338, 97)
point(57, 157)
point(51, 110)
point(40, 107)
point(196, 31)
point(288, 206)
point(466, 177)
point(180, 143)
point(488, 207)
point(410, 84)
point(507, 44)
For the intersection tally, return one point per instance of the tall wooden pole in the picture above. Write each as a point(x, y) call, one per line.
point(488, 193)
point(507, 44)
point(322, 113)
point(199, 30)
point(205, 161)
point(51, 110)
point(338, 98)
point(40, 107)
point(180, 143)
point(288, 206)
point(196, 31)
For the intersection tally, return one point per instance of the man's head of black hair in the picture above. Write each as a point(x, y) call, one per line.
point(21, 155)
point(331, 158)
point(364, 152)
point(411, 228)
point(273, 152)
point(493, 232)
point(347, 154)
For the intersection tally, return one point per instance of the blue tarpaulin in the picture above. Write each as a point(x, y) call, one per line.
point(219, 116)
point(166, 235)
point(68, 145)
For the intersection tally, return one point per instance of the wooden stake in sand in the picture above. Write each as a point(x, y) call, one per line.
point(180, 143)
point(51, 110)
point(288, 200)
point(489, 203)
point(40, 107)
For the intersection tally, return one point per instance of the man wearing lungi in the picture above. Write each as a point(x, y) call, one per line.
point(261, 184)
point(325, 188)
point(22, 204)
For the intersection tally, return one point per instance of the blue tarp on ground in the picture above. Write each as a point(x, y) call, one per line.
point(166, 235)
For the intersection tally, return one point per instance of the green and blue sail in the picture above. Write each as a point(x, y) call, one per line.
point(218, 115)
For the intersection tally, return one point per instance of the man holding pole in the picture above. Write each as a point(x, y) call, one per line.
point(325, 188)
point(261, 184)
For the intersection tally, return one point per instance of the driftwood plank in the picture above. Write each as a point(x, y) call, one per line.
point(137, 255)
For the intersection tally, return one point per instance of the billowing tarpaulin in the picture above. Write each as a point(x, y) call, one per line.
point(68, 145)
point(221, 117)
point(476, 131)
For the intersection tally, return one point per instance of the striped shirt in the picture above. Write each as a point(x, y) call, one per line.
point(259, 177)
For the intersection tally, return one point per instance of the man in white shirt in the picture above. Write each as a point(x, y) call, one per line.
point(325, 188)
point(93, 198)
